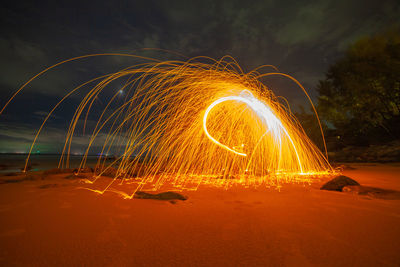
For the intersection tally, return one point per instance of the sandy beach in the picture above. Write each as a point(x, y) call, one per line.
point(51, 222)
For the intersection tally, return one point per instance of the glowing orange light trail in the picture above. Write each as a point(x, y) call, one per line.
point(190, 123)
point(262, 110)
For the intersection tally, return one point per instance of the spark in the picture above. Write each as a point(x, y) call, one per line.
point(273, 123)
point(186, 124)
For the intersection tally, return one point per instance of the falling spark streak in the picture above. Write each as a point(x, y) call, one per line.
point(188, 124)
point(273, 123)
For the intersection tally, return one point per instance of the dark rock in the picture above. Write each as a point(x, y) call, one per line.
point(337, 183)
point(160, 196)
point(389, 152)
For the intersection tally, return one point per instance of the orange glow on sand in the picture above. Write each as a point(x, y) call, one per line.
point(188, 124)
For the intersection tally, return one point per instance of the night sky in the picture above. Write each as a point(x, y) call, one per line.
point(302, 38)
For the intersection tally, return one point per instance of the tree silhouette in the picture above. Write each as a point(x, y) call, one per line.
point(360, 95)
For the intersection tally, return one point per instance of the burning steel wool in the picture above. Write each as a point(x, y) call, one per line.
point(191, 123)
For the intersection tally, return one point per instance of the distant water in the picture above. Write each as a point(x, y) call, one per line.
point(38, 162)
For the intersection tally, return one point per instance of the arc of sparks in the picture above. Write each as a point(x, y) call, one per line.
point(262, 110)
point(156, 130)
